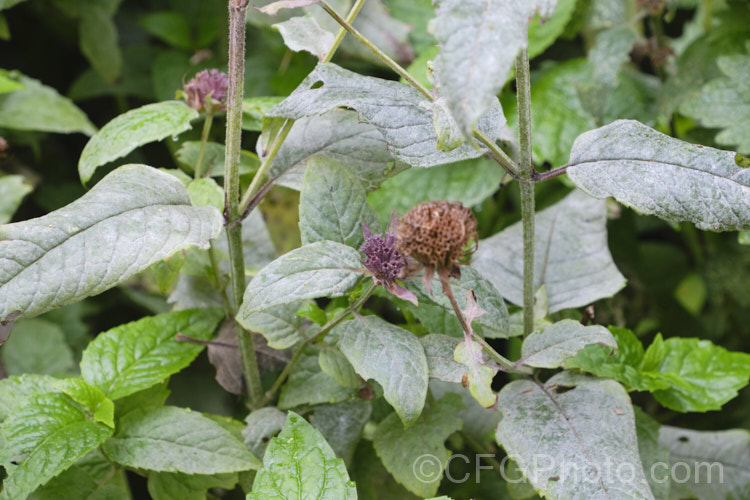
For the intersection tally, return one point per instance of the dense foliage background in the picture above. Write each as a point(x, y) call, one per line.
point(669, 64)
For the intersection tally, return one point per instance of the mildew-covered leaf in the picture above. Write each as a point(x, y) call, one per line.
point(134, 217)
point(572, 259)
point(571, 435)
point(479, 40)
point(393, 107)
point(391, 356)
point(323, 268)
point(656, 174)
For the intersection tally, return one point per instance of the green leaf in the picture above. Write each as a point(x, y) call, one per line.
point(725, 103)
point(37, 346)
point(309, 385)
point(713, 374)
point(38, 107)
point(439, 351)
point(478, 44)
point(571, 260)
point(304, 33)
point(17, 392)
point(470, 182)
point(92, 477)
point(403, 450)
point(333, 205)
point(684, 374)
point(692, 293)
point(177, 486)
point(324, 268)
point(479, 375)
point(44, 438)
point(167, 271)
point(98, 40)
point(13, 189)
point(91, 397)
point(570, 436)
point(132, 218)
point(158, 440)
point(656, 174)
point(550, 347)
point(149, 123)
point(338, 135)
point(624, 365)
point(478, 422)
point(213, 158)
point(436, 313)
point(253, 110)
point(341, 425)
point(335, 365)
point(206, 192)
point(391, 356)
point(394, 108)
point(153, 397)
point(653, 454)
point(169, 26)
point(543, 32)
point(717, 463)
point(262, 425)
point(137, 355)
point(300, 464)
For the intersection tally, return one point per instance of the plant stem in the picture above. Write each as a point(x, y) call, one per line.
point(318, 336)
point(273, 149)
point(236, 74)
point(204, 139)
point(498, 358)
point(526, 184)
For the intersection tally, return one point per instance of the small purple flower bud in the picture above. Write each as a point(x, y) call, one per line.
point(207, 91)
point(385, 263)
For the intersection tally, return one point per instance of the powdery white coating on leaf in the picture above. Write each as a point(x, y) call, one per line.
point(149, 123)
point(304, 33)
point(727, 452)
point(262, 425)
point(280, 324)
point(572, 258)
point(333, 204)
point(174, 439)
point(439, 350)
point(479, 40)
point(436, 313)
point(338, 135)
point(299, 463)
point(134, 217)
point(323, 268)
point(392, 356)
point(393, 107)
point(403, 450)
point(725, 103)
point(656, 174)
point(549, 348)
point(577, 443)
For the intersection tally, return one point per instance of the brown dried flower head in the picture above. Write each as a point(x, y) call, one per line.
point(435, 233)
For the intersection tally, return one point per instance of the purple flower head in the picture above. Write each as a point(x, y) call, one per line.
point(209, 83)
point(384, 262)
